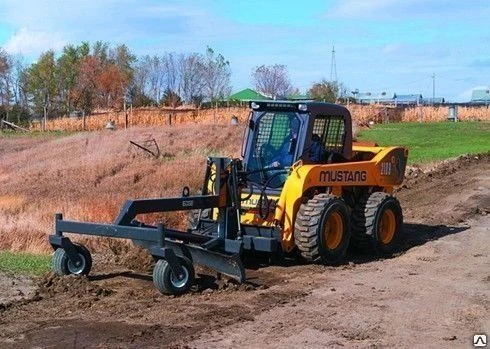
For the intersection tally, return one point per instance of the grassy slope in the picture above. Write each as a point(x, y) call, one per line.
point(89, 175)
point(24, 263)
point(432, 141)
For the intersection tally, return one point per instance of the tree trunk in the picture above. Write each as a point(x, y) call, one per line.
point(46, 99)
point(45, 118)
point(126, 121)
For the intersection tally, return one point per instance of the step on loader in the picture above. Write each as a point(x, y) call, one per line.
point(302, 187)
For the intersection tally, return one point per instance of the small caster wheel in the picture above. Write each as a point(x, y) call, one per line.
point(165, 280)
point(62, 265)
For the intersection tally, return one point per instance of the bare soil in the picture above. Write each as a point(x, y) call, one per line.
point(435, 293)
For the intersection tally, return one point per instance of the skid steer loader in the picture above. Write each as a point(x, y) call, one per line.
point(302, 186)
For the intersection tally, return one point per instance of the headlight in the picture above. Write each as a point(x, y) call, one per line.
point(302, 107)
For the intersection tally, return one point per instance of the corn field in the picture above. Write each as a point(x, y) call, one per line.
point(163, 116)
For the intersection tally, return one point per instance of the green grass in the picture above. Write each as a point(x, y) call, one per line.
point(432, 141)
point(35, 134)
point(24, 263)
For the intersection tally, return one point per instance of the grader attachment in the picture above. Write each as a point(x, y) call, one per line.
point(175, 251)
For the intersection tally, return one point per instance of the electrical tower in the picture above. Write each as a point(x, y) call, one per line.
point(333, 67)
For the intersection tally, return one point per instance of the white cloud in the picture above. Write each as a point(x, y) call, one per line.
point(33, 42)
point(357, 8)
point(393, 48)
point(412, 9)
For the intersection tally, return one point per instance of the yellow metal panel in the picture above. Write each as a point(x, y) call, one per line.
point(336, 176)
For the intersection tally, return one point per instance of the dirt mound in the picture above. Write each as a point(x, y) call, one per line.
point(71, 285)
point(449, 192)
point(417, 174)
point(137, 259)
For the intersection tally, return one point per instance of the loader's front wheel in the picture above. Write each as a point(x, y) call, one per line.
point(62, 265)
point(165, 280)
point(378, 219)
point(322, 229)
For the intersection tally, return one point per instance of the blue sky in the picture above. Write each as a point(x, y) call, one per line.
point(381, 45)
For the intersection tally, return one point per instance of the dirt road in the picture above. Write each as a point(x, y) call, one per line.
point(434, 294)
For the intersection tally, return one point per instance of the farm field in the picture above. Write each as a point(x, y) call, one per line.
point(433, 294)
point(433, 141)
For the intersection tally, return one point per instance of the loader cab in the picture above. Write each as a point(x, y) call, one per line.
point(279, 133)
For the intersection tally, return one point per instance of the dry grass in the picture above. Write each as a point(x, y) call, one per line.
point(149, 117)
point(11, 204)
point(427, 114)
point(382, 114)
point(157, 116)
point(88, 176)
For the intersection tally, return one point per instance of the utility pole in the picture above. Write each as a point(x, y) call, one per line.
point(333, 67)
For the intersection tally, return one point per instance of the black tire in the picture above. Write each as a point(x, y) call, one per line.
point(359, 240)
point(322, 229)
point(62, 265)
point(165, 281)
point(377, 221)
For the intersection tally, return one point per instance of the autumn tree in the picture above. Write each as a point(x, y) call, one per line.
point(156, 77)
point(104, 76)
point(272, 80)
point(122, 59)
point(191, 71)
point(183, 74)
point(216, 75)
point(111, 86)
point(6, 83)
point(86, 88)
point(42, 84)
point(326, 91)
point(13, 93)
point(100, 50)
point(68, 68)
point(139, 87)
point(86, 77)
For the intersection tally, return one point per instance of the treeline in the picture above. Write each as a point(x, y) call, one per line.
point(85, 77)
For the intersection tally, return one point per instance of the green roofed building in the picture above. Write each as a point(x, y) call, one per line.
point(247, 95)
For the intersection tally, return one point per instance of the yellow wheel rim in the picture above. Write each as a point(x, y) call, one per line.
point(333, 230)
point(387, 226)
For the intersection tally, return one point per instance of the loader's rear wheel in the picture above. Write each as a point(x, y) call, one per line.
point(62, 265)
point(378, 220)
point(165, 280)
point(322, 229)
